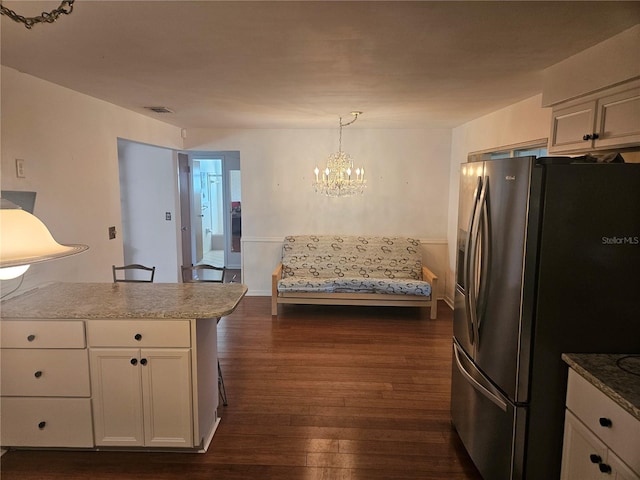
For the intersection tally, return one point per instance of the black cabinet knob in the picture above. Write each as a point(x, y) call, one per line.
point(604, 468)
point(605, 422)
point(595, 458)
point(134, 361)
point(586, 137)
point(138, 336)
point(31, 338)
point(38, 374)
point(143, 361)
point(41, 425)
point(595, 136)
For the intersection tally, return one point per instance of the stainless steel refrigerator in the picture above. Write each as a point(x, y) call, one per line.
point(548, 262)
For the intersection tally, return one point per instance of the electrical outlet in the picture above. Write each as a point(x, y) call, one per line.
point(20, 168)
point(112, 233)
point(167, 215)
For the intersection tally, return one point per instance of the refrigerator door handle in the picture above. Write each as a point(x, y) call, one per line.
point(474, 256)
point(481, 385)
point(469, 264)
point(485, 260)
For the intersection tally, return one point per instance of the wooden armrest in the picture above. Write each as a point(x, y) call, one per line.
point(432, 278)
point(275, 276)
point(429, 276)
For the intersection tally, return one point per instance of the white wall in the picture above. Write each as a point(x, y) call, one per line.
point(69, 144)
point(521, 122)
point(613, 61)
point(407, 191)
point(148, 191)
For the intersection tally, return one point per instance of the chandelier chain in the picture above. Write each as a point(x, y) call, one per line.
point(355, 117)
point(65, 8)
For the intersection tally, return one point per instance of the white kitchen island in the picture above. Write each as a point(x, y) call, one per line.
point(112, 365)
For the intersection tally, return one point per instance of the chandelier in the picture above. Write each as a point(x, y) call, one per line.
point(340, 178)
point(65, 8)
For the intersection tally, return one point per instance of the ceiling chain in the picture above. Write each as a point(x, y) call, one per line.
point(65, 8)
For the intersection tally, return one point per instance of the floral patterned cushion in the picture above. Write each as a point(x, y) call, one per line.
point(354, 285)
point(330, 263)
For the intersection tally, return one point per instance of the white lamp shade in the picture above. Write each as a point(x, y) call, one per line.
point(24, 240)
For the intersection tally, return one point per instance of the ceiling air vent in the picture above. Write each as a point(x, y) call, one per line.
point(159, 109)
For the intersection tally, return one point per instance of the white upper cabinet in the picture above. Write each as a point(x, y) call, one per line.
point(607, 120)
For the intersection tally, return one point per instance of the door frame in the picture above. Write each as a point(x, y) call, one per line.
point(230, 161)
point(185, 199)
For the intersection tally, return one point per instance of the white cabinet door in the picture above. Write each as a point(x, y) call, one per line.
point(569, 126)
point(582, 452)
point(619, 469)
point(38, 372)
point(166, 388)
point(117, 396)
point(619, 119)
point(142, 397)
point(600, 121)
point(41, 334)
point(46, 422)
point(591, 406)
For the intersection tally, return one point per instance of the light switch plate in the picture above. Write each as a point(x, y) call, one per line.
point(20, 168)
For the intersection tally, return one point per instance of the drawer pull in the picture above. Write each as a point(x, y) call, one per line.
point(137, 336)
point(604, 468)
point(134, 361)
point(38, 374)
point(31, 338)
point(605, 422)
point(41, 425)
point(595, 458)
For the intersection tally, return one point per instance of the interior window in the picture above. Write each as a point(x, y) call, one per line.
point(537, 148)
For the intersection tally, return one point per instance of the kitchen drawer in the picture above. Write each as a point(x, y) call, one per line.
point(46, 422)
point(50, 373)
point(139, 333)
point(42, 334)
point(591, 406)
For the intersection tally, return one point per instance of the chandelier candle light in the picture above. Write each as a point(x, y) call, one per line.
point(340, 178)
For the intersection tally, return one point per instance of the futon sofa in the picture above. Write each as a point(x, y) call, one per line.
point(352, 270)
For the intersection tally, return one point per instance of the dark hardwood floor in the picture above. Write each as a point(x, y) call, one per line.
point(320, 393)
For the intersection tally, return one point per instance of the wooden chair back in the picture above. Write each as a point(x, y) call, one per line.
point(120, 273)
point(203, 273)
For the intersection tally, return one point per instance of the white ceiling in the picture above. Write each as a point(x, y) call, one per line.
point(295, 64)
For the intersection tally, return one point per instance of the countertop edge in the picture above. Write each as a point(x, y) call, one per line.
point(125, 300)
point(601, 385)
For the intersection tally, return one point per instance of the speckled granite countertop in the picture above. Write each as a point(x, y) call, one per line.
point(125, 300)
point(603, 371)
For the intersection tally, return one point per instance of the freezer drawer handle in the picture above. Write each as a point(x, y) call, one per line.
point(477, 385)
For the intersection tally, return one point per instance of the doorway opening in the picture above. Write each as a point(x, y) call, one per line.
point(211, 209)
